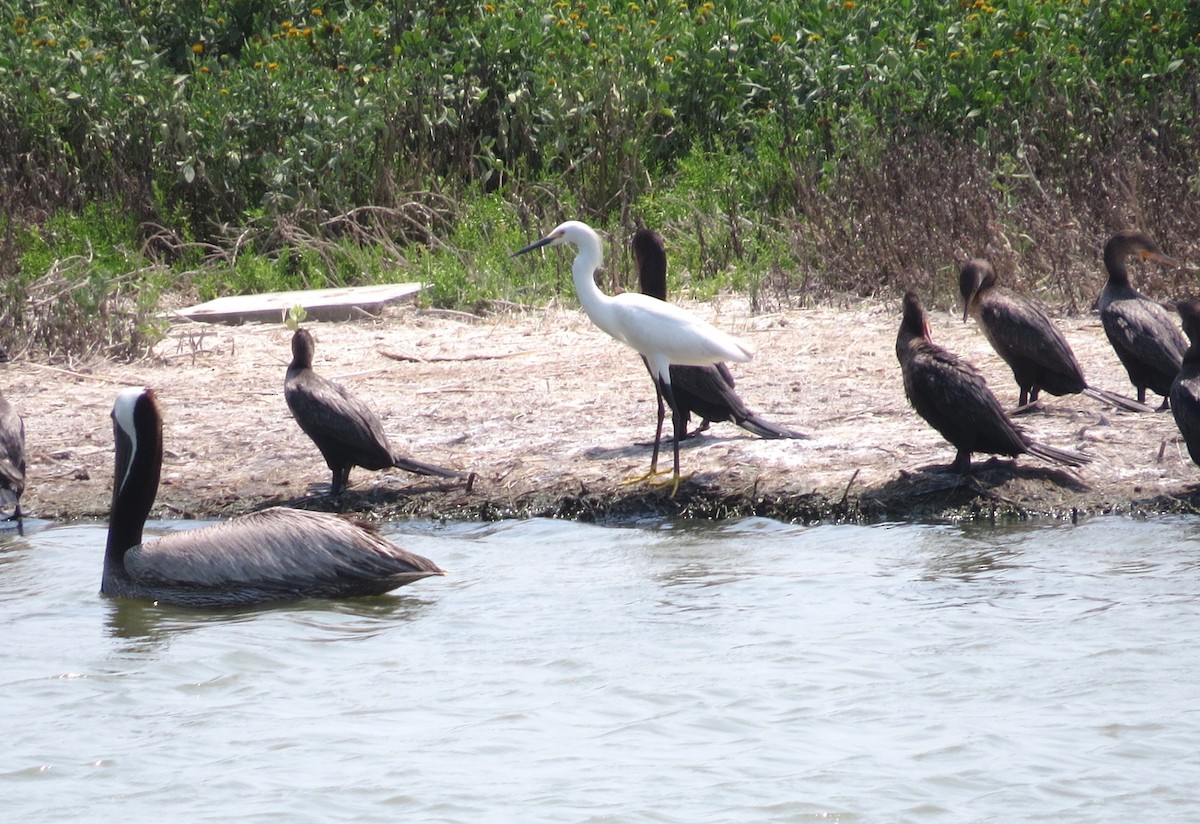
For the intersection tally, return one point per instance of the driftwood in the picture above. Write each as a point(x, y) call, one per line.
point(403, 356)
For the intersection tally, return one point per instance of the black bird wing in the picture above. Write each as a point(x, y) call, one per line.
point(954, 399)
point(338, 422)
point(1024, 336)
point(708, 391)
point(1141, 330)
point(1185, 405)
point(278, 549)
point(704, 391)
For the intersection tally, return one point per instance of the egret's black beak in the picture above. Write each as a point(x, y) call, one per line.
point(536, 245)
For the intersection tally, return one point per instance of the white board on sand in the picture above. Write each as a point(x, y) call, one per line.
point(341, 303)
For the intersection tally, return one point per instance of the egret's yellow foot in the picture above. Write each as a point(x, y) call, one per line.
point(673, 482)
point(647, 478)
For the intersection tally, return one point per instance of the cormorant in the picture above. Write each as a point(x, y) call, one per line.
point(1185, 390)
point(1028, 341)
point(1141, 331)
point(344, 428)
point(954, 399)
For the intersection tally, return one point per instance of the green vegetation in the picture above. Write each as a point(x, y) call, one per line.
point(789, 150)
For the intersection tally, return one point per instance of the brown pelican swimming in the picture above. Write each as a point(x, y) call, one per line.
point(1141, 331)
point(344, 428)
point(274, 555)
point(1185, 390)
point(954, 399)
point(12, 457)
point(1028, 341)
point(707, 391)
point(662, 333)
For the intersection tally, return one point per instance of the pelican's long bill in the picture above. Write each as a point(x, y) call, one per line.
point(553, 236)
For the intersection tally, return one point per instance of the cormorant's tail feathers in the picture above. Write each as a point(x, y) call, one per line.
point(1119, 401)
point(768, 430)
point(418, 468)
point(1052, 454)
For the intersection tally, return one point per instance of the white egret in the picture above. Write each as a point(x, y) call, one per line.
point(662, 333)
point(706, 391)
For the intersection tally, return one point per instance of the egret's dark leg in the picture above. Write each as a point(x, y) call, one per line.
point(662, 413)
point(679, 423)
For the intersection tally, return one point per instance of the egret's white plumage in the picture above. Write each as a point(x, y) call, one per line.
point(662, 333)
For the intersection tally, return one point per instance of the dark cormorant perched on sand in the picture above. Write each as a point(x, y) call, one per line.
point(1141, 331)
point(707, 391)
point(277, 554)
point(1028, 341)
point(1185, 391)
point(954, 399)
point(12, 456)
point(344, 428)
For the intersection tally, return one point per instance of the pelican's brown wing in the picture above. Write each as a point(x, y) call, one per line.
point(278, 550)
point(12, 451)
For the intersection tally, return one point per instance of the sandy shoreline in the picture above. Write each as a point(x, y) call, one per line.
point(551, 415)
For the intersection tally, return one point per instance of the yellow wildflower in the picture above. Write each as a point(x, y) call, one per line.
point(198, 48)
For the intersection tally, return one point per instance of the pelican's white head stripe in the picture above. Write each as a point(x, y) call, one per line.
point(123, 414)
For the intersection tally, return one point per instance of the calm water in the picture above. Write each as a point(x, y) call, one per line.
point(745, 672)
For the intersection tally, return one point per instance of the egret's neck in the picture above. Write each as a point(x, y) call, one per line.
point(583, 273)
